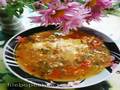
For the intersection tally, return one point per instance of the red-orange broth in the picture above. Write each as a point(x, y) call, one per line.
point(75, 56)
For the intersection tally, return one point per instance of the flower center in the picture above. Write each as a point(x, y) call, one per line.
point(58, 14)
point(46, 1)
point(91, 3)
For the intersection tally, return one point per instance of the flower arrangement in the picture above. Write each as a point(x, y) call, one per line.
point(10, 11)
point(13, 7)
point(67, 14)
point(70, 14)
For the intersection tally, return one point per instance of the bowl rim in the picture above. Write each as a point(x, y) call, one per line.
point(24, 79)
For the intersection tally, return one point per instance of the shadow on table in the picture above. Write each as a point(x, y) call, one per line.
point(4, 38)
point(101, 86)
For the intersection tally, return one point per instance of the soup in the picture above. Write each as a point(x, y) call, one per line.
point(50, 56)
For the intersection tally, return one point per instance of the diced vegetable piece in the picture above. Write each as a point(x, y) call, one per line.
point(96, 43)
point(56, 73)
point(86, 63)
point(70, 70)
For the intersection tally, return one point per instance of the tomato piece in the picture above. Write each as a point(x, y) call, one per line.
point(86, 63)
point(85, 39)
point(56, 73)
point(70, 70)
point(96, 43)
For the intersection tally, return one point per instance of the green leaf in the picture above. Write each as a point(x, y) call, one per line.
point(113, 12)
point(2, 67)
point(3, 86)
point(1, 81)
point(81, 1)
point(2, 75)
point(10, 79)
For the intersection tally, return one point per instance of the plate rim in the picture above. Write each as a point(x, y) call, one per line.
point(17, 75)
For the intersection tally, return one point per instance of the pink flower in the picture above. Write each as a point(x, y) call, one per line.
point(3, 2)
point(97, 8)
point(36, 19)
point(68, 16)
point(55, 4)
point(74, 16)
point(66, 1)
point(103, 4)
point(21, 39)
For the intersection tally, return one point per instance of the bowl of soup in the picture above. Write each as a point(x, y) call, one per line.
point(46, 57)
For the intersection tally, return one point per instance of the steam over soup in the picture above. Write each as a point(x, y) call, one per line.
point(75, 56)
